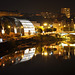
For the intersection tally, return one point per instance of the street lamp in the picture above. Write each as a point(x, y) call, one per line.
point(45, 24)
point(8, 26)
point(59, 24)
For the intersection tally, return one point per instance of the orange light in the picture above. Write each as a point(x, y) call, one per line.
point(8, 26)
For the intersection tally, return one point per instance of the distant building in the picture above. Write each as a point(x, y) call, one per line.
point(7, 13)
point(66, 11)
point(48, 15)
point(58, 26)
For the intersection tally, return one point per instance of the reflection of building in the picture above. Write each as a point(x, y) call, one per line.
point(17, 57)
point(59, 49)
point(28, 54)
point(28, 27)
point(66, 11)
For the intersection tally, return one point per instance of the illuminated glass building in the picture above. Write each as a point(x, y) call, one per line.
point(29, 28)
point(10, 24)
point(15, 25)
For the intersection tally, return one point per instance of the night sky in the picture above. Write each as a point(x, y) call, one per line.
point(36, 5)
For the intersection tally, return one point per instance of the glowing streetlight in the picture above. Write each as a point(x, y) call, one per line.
point(42, 53)
point(64, 25)
point(35, 54)
point(45, 24)
point(3, 64)
point(59, 24)
point(21, 26)
point(8, 26)
point(12, 61)
point(22, 56)
point(45, 53)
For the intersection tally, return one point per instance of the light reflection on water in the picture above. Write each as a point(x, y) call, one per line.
point(17, 57)
point(63, 49)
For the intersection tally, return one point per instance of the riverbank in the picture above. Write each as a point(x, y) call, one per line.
point(24, 43)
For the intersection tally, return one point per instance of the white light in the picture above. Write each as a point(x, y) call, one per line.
point(43, 32)
point(42, 53)
point(32, 50)
point(28, 26)
point(15, 51)
point(63, 34)
point(51, 53)
point(15, 30)
point(72, 33)
point(64, 44)
point(1, 40)
point(26, 51)
point(72, 44)
point(3, 32)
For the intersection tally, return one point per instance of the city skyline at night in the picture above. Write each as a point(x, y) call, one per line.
point(37, 37)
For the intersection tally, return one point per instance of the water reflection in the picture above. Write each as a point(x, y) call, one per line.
point(59, 49)
point(17, 57)
point(64, 49)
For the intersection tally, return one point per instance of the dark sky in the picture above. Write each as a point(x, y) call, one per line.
point(36, 5)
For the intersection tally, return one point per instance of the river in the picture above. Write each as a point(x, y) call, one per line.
point(57, 58)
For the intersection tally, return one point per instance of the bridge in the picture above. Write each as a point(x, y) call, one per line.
point(67, 32)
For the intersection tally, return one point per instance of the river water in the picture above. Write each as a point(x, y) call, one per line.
point(57, 58)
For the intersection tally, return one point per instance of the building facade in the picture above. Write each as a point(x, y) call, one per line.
point(10, 24)
point(6, 13)
point(29, 28)
point(66, 11)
